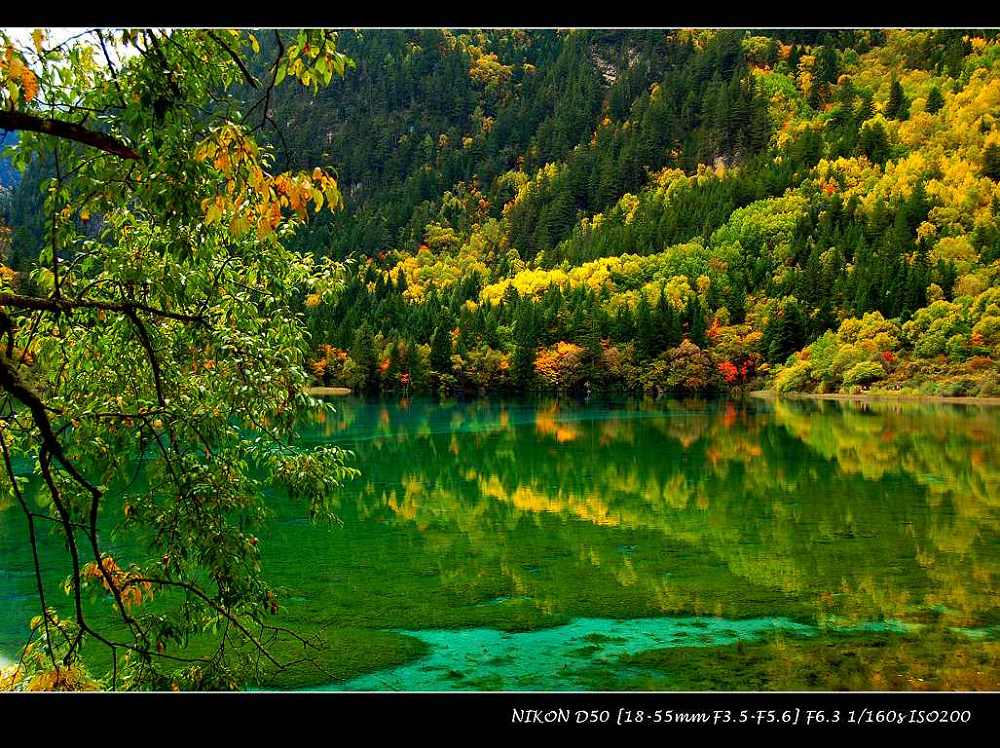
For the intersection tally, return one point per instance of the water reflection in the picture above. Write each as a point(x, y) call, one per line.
point(827, 511)
point(517, 517)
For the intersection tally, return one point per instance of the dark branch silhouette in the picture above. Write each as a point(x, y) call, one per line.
point(68, 130)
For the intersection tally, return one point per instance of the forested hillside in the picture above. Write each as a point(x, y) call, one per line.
point(651, 211)
point(8, 174)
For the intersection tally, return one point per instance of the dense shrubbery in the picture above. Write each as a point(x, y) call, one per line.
point(947, 348)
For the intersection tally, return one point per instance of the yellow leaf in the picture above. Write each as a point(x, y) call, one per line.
point(263, 228)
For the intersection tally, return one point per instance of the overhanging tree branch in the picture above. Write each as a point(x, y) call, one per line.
point(61, 305)
point(67, 130)
point(234, 56)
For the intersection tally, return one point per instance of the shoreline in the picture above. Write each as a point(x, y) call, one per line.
point(322, 391)
point(319, 391)
point(878, 397)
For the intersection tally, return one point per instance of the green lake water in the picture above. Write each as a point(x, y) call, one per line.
point(680, 545)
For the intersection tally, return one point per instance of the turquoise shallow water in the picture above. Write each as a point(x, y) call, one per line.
point(570, 657)
point(559, 658)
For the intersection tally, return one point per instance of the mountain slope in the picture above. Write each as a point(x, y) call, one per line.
point(651, 210)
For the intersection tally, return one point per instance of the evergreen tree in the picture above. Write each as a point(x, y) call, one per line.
point(898, 106)
point(624, 325)
point(697, 329)
point(366, 357)
point(826, 65)
point(522, 370)
point(662, 322)
point(645, 333)
point(935, 101)
point(441, 350)
point(526, 344)
point(874, 143)
point(591, 342)
point(736, 302)
point(397, 362)
point(794, 55)
point(991, 162)
point(785, 332)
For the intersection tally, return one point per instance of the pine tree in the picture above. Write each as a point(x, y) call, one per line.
point(645, 346)
point(525, 347)
point(935, 101)
point(794, 55)
point(364, 355)
point(522, 370)
point(696, 323)
point(591, 342)
point(624, 325)
point(898, 107)
point(826, 65)
point(663, 320)
point(736, 302)
point(397, 362)
point(991, 162)
point(815, 99)
point(400, 282)
point(441, 350)
point(785, 332)
point(874, 143)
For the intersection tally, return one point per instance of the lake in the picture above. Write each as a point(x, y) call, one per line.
point(554, 545)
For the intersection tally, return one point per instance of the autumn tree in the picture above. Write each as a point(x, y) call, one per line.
point(562, 366)
point(683, 369)
point(158, 331)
